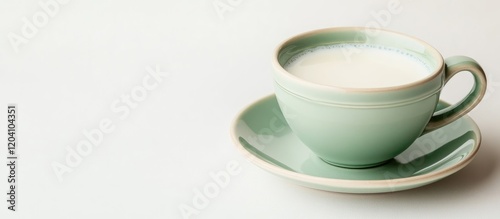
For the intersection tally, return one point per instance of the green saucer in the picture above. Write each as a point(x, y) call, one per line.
point(261, 133)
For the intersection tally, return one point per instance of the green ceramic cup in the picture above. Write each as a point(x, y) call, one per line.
point(364, 127)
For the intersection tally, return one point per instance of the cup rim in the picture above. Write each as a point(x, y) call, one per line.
point(297, 80)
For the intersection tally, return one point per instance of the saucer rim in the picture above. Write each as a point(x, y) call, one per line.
point(346, 185)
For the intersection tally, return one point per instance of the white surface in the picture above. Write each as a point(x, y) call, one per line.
point(90, 54)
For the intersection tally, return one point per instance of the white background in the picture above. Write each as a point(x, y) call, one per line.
point(66, 77)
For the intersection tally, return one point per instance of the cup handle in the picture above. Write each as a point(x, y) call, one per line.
point(454, 65)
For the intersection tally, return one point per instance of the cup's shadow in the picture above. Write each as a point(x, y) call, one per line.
point(462, 183)
point(403, 166)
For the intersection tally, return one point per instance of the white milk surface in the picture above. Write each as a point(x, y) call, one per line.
point(362, 66)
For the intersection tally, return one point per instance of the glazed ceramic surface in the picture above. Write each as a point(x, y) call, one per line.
point(362, 127)
point(263, 136)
